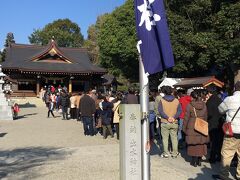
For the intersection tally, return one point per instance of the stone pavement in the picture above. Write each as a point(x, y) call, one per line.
point(37, 147)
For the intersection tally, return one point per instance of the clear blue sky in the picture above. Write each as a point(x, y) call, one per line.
point(21, 17)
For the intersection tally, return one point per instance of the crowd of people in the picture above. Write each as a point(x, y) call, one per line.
point(98, 112)
point(172, 117)
point(177, 113)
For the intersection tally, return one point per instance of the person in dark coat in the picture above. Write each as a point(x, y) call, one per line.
point(131, 98)
point(106, 116)
point(46, 98)
point(87, 110)
point(197, 143)
point(64, 103)
point(215, 122)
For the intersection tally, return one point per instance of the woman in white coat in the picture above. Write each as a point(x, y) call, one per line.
point(116, 117)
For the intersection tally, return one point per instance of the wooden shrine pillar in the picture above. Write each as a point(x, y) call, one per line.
point(70, 85)
point(38, 87)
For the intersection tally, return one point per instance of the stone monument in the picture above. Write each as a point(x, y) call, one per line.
point(5, 109)
point(130, 142)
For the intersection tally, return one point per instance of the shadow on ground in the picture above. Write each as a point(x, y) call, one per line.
point(215, 169)
point(2, 134)
point(206, 171)
point(24, 116)
point(156, 147)
point(19, 162)
point(27, 105)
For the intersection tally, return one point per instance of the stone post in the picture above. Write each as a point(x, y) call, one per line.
point(5, 108)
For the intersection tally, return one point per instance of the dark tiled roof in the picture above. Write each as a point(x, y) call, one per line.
point(199, 82)
point(19, 57)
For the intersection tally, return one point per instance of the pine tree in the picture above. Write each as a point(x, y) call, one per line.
point(9, 40)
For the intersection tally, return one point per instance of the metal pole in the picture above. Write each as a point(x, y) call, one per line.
point(144, 100)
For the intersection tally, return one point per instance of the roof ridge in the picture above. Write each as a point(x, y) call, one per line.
point(26, 45)
point(41, 46)
point(200, 77)
point(74, 48)
point(51, 46)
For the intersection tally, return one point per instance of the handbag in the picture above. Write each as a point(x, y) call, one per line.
point(200, 125)
point(227, 126)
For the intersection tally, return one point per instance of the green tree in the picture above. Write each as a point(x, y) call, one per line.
point(8, 41)
point(205, 36)
point(66, 33)
point(117, 42)
point(91, 43)
point(227, 26)
point(191, 34)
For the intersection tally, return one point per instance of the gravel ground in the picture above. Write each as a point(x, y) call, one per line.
point(37, 147)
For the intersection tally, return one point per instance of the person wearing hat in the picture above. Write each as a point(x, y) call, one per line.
point(231, 144)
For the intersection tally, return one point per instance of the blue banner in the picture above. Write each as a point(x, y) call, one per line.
point(154, 40)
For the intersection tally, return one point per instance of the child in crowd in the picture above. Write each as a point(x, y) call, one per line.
point(15, 110)
point(50, 108)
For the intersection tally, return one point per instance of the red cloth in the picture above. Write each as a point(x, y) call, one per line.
point(184, 101)
point(52, 89)
point(16, 109)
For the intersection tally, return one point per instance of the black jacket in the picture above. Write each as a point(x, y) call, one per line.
point(64, 100)
point(87, 106)
point(215, 119)
point(106, 113)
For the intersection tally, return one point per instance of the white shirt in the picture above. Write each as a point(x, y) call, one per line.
point(229, 106)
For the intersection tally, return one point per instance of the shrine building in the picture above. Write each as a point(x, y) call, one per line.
point(34, 67)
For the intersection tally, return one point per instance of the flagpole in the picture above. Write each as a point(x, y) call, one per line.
point(154, 45)
point(144, 101)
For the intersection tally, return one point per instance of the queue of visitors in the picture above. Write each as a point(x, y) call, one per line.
point(211, 106)
point(98, 112)
point(172, 116)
